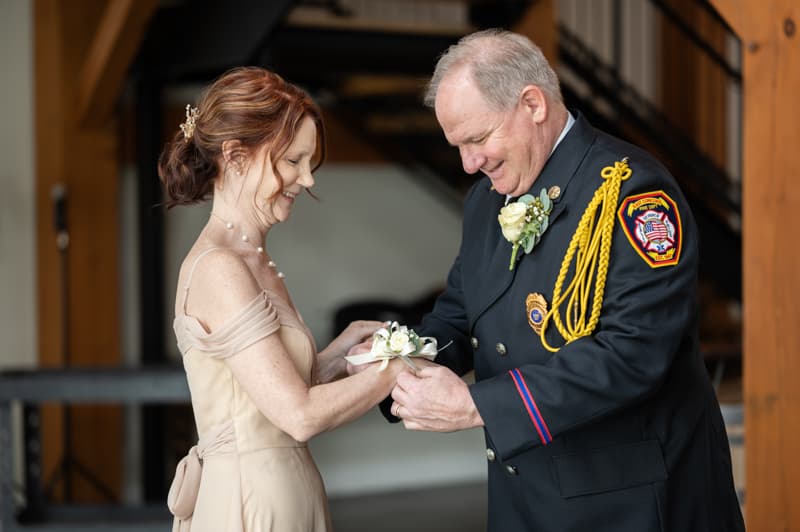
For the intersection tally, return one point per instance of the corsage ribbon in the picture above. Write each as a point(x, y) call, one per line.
point(396, 341)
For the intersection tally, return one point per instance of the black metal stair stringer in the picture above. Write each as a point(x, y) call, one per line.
point(705, 185)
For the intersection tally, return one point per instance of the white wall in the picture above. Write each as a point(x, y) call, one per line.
point(375, 233)
point(17, 214)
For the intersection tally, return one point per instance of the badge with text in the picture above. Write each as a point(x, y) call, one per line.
point(652, 223)
point(536, 308)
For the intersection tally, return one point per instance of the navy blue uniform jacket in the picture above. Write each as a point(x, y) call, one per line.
point(621, 430)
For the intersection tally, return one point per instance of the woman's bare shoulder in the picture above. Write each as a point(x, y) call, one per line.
point(220, 283)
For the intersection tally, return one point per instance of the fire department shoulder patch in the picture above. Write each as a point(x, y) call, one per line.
point(652, 223)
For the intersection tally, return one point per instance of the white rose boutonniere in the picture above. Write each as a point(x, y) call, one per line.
point(524, 221)
point(512, 220)
point(397, 341)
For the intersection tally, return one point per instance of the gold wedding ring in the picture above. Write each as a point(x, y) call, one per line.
point(397, 410)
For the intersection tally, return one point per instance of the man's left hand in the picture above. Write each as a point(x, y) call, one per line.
point(436, 399)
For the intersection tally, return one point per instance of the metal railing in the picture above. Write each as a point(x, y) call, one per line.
point(69, 386)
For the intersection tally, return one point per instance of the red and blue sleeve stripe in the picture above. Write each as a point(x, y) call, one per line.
point(530, 406)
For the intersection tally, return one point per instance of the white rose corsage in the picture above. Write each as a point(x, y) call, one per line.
point(394, 341)
point(524, 221)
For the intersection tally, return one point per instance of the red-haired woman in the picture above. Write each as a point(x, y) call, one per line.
point(259, 388)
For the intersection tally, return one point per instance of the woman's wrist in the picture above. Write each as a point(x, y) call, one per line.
point(331, 369)
point(398, 366)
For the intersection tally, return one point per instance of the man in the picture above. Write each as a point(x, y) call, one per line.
point(597, 410)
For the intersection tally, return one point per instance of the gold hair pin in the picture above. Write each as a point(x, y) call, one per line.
point(191, 121)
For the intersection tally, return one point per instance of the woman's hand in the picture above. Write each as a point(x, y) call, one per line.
point(358, 332)
point(330, 361)
point(357, 349)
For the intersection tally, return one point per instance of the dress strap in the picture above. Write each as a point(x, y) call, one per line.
point(191, 273)
point(257, 320)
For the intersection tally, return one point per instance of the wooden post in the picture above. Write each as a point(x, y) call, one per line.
point(538, 23)
point(771, 70)
point(77, 146)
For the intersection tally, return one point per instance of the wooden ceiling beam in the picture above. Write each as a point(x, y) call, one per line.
point(110, 53)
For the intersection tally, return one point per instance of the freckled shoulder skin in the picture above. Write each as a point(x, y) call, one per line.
point(618, 431)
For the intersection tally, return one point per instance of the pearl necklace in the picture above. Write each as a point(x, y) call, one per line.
point(246, 239)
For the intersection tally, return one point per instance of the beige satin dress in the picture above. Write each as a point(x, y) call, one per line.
point(244, 474)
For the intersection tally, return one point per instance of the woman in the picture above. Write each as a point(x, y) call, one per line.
point(259, 389)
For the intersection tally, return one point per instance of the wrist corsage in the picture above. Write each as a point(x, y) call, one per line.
point(393, 341)
point(524, 221)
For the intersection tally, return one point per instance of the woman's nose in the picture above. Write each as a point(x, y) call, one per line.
point(306, 179)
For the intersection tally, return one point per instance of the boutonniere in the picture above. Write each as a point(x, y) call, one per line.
point(524, 221)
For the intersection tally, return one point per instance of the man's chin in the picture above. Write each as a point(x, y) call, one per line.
point(499, 186)
point(506, 190)
point(514, 189)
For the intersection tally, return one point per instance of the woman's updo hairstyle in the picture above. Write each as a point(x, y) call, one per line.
point(248, 104)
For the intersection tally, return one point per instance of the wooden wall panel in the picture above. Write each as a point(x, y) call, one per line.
point(771, 187)
point(49, 120)
point(86, 161)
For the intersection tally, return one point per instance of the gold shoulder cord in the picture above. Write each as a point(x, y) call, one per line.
point(591, 247)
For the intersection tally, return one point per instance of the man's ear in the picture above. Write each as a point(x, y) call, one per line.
point(533, 100)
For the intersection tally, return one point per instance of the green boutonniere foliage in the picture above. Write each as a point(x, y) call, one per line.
point(524, 221)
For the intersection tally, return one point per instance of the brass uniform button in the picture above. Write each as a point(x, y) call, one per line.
point(501, 349)
point(473, 342)
point(490, 455)
point(512, 470)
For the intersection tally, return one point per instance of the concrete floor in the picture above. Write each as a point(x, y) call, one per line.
point(448, 509)
point(460, 508)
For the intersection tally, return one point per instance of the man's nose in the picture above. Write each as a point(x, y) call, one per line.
point(470, 159)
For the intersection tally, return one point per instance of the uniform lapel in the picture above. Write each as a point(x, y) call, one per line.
point(561, 167)
point(496, 277)
point(558, 171)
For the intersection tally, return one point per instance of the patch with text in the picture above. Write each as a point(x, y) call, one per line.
point(652, 223)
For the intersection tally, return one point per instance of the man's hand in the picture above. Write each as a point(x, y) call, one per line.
point(436, 399)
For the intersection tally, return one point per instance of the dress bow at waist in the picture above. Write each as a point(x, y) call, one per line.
point(183, 492)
